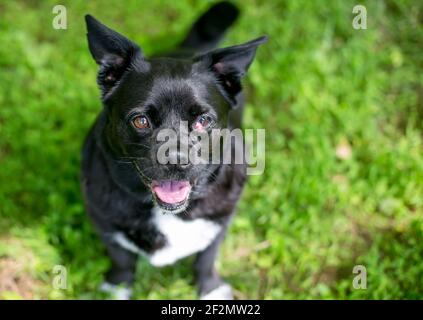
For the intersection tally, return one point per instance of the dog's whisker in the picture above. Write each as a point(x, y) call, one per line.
point(133, 158)
point(139, 144)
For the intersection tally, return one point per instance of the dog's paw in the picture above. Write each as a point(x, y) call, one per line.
point(116, 292)
point(222, 292)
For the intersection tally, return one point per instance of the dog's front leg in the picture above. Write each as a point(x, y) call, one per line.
point(120, 277)
point(210, 285)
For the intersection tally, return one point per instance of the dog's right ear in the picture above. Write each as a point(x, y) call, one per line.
point(230, 64)
point(113, 53)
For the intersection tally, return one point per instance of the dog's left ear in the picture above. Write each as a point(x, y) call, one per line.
point(113, 53)
point(230, 65)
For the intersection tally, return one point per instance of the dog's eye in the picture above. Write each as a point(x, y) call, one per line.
point(202, 122)
point(141, 122)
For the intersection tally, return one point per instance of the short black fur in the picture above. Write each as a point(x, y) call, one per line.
point(118, 161)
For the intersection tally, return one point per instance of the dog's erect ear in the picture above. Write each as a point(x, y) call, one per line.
point(230, 65)
point(113, 53)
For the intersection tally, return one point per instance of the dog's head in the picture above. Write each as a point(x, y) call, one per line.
point(143, 98)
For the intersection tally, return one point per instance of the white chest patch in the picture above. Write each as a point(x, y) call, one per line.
point(184, 238)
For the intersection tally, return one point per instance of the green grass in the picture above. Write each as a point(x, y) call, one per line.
point(318, 86)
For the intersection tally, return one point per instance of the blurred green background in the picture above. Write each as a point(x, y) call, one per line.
point(343, 183)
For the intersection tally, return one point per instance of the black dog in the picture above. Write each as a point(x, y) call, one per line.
point(139, 206)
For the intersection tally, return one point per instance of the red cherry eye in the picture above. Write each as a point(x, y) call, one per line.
point(140, 122)
point(202, 122)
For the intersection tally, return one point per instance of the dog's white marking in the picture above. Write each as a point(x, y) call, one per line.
point(223, 292)
point(116, 292)
point(184, 238)
point(125, 243)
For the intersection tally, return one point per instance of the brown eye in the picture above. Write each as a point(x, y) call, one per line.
point(140, 122)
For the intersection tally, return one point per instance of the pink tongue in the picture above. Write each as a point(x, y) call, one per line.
point(171, 191)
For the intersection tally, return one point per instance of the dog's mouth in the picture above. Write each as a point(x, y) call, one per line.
point(171, 195)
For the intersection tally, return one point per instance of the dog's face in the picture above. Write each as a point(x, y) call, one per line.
point(145, 99)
